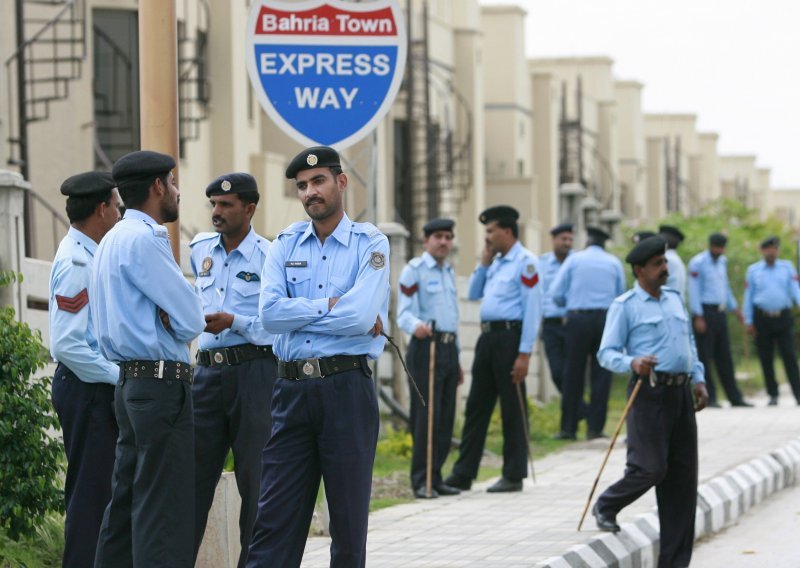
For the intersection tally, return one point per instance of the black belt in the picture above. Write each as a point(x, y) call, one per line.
point(559, 321)
point(772, 313)
point(443, 337)
point(233, 355)
point(500, 325)
point(157, 370)
point(303, 369)
point(716, 307)
point(673, 379)
point(588, 311)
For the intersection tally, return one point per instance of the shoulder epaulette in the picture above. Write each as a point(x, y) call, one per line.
point(625, 296)
point(297, 227)
point(262, 244)
point(79, 257)
point(415, 262)
point(160, 231)
point(367, 229)
point(200, 237)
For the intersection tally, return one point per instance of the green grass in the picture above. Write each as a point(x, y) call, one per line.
point(43, 550)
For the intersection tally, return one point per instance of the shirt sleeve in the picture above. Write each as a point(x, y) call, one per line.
point(695, 305)
point(408, 308)
point(612, 355)
point(279, 312)
point(155, 273)
point(477, 281)
point(794, 286)
point(68, 328)
point(531, 294)
point(747, 302)
point(698, 370)
point(358, 309)
point(558, 289)
point(731, 299)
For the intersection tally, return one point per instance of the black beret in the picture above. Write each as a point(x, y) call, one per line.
point(772, 241)
point(141, 165)
point(232, 183)
point(315, 157)
point(438, 225)
point(597, 234)
point(498, 212)
point(87, 183)
point(561, 228)
point(639, 236)
point(671, 231)
point(646, 249)
point(717, 240)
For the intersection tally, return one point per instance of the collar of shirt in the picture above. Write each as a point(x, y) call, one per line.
point(431, 263)
point(341, 233)
point(137, 215)
point(709, 258)
point(245, 248)
point(82, 240)
point(643, 295)
point(512, 253)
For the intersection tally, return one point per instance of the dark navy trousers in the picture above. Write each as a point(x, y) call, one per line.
point(495, 353)
point(86, 414)
point(715, 345)
point(149, 521)
point(554, 337)
point(770, 331)
point(662, 453)
point(321, 428)
point(584, 329)
point(231, 412)
point(444, 406)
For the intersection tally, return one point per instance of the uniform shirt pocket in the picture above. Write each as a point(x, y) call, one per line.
point(340, 285)
point(244, 290)
point(434, 286)
point(297, 278)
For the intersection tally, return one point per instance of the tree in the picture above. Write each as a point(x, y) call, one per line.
point(30, 457)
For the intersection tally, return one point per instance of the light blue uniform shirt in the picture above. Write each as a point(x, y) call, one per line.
point(72, 339)
point(231, 284)
point(588, 280)
point(637, 324)
point(770, 288)
point(708, 283)
point(299, 276)
point(134, 275)
point(510, 291)
point(427, 292)
point(549, 266)
point(677, 272)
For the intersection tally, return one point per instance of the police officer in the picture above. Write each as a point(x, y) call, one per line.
point(770, 289)
point(506, 281)
point(553, 336)
point(83, 384)
point(428, 294)
point(325, 290)
point(648, 333)
point(587, 283)
point(677, 269)
point(145, 313)
point(236, 369)
point(710, 296)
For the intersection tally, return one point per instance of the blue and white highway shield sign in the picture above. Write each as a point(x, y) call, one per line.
point(326, 71)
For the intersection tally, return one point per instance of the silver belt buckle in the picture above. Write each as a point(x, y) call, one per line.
point(722, 307)
point(310, 369)
point(161, 369)
point(219, 358)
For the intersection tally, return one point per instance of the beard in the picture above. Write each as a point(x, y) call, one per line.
point(169, 212)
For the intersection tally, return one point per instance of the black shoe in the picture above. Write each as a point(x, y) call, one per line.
point(604, 523)
point(742, 404)
point(420, 493)
point(714, 404)
point(773, 401)
point(458, 482)
point(590, 435)
point(504, 485)
point(445, 490)
point(561, 435)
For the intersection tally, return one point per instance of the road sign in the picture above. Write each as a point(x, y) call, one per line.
point(326, 71)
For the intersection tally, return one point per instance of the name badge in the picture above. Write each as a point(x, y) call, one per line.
point(296, 263)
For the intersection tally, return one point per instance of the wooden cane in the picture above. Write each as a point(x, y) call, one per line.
point(525, 430)
point(611, 446)
point(431, 379)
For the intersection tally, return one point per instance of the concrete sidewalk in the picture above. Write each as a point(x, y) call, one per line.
point(539, 525)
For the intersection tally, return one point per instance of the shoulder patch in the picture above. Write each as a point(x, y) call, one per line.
point(409, 290)
point(200, 237)
point(73, 304)
point(530, 281)
point(377, 260)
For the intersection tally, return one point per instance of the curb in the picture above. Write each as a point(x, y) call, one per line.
point(720, 502)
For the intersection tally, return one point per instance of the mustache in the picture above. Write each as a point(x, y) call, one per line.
point(217, 219)
point(313, 200)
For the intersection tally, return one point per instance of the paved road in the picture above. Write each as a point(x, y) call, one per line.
point(767, 536)
point(479, 529)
